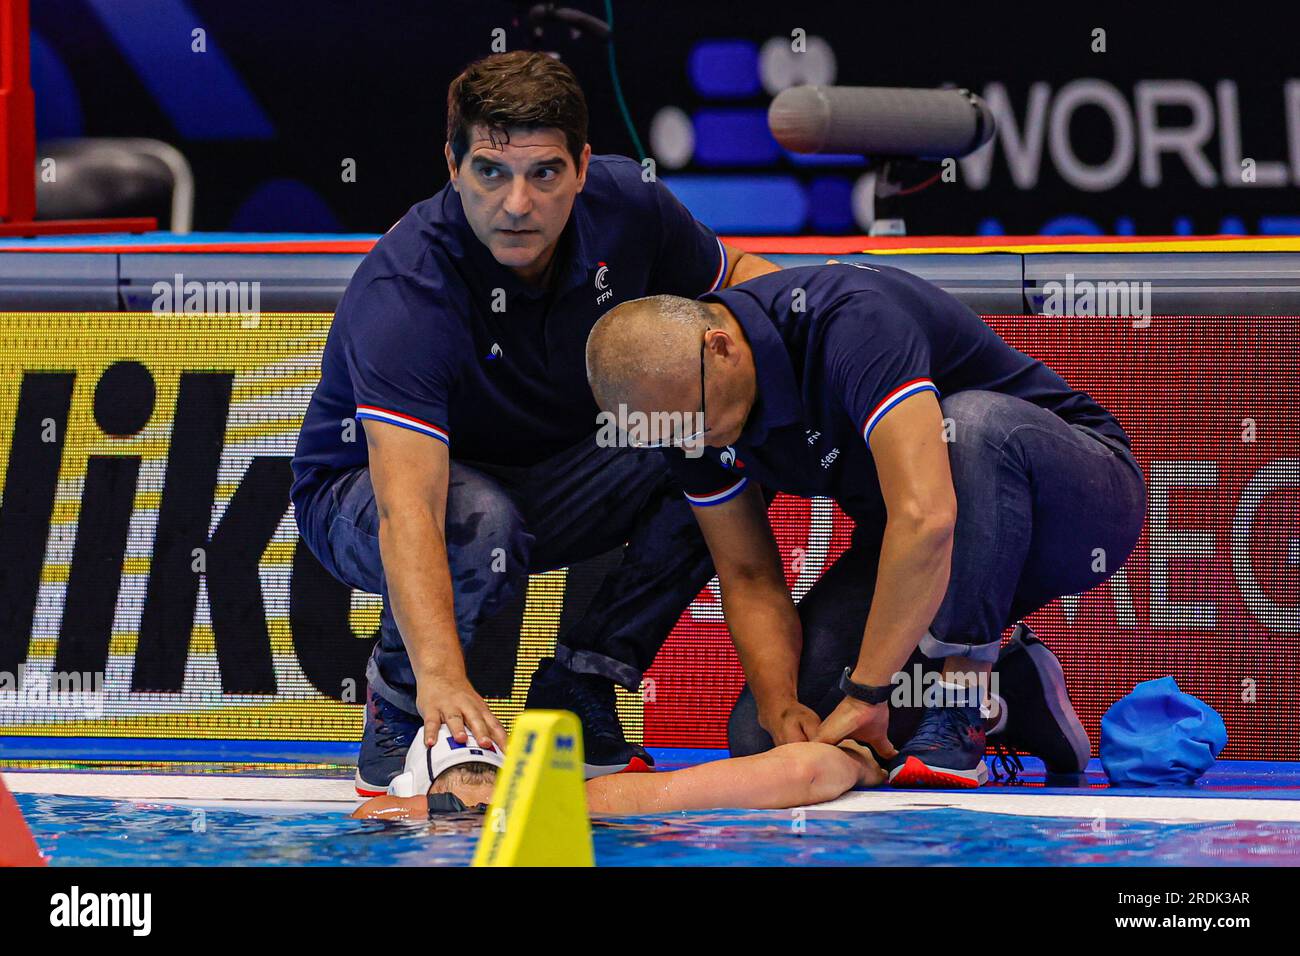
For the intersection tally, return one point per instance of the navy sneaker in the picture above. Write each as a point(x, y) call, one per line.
point(591, 697)
point(385, 740)
point(947, 750)
point(1038, 718)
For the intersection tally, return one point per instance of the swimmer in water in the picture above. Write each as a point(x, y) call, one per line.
point(451, 777)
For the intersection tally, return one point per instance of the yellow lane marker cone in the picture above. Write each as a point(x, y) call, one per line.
point(538, 815)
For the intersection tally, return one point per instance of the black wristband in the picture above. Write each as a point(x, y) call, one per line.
point(864, 692)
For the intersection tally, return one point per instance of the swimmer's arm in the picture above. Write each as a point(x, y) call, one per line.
point(789, 776)
point(743, 266)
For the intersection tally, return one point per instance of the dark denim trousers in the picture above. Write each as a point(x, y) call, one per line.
point(504, 523)
point(1044, 509)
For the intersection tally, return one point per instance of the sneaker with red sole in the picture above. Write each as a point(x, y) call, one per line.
point(946, 751)
point(387, 735)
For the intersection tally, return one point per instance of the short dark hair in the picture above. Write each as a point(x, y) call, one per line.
point(520, 90)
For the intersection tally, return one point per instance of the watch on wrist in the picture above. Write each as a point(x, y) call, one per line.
point(866, 693)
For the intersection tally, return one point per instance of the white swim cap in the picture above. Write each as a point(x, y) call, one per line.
point(424, 764)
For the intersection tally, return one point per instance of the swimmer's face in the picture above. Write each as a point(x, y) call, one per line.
point(517, 195)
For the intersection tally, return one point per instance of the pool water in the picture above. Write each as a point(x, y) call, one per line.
point(85, 831)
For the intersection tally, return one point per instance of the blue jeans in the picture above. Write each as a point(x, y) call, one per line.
point(504, 523)
point(1036, 498)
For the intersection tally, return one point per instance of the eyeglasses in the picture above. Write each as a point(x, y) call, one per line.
point(689, 439)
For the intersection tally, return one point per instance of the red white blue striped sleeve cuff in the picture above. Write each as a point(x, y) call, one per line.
point(402, 421)
point(717, 497)
point(722, 266)
point(906, 390)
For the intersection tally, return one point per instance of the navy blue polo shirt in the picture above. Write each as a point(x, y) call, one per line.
point(434, 335)
point(835, 348)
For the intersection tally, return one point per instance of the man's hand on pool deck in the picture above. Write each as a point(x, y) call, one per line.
point(790, 722)
point(861, 722)
point(449, 698)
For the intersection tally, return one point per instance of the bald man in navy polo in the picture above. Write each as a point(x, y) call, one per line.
point(981, 486)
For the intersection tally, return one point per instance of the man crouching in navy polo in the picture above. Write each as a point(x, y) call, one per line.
point(458, 348)
point(980, 483)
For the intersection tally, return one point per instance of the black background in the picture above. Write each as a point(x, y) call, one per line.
point(368, 80)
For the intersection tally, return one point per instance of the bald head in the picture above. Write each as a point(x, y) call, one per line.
point(665, 355)
point(645, 354)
